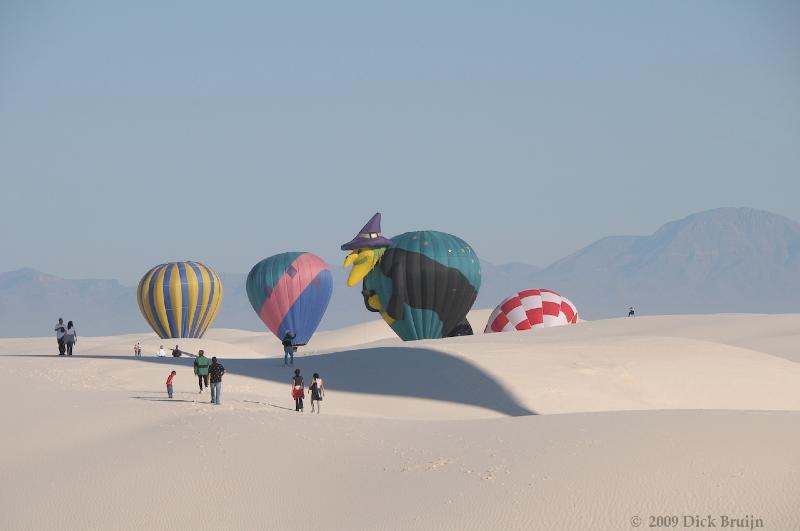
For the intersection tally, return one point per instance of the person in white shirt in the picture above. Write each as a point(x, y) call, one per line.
point(70, 337)
point(161, 352)
point(60, 329)
point(317, 389)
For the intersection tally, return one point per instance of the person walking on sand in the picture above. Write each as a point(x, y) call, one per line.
point(298, 390)
point(169, 383)
point(317, 389)
point(216, 371)
point(201, 369)
point(288, 347)
point(631, 312)
point(161, 352)
point(70, 337)
point(60, 329)
point(137, 350)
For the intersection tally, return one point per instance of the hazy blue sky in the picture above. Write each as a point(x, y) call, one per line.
point(133, 133)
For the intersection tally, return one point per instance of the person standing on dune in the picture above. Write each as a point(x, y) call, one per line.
point(317, 389)
point(216, 371)
point(201, 369)
point(288, 347)
point(170, 378)
point(298, 390)
point(60, 329)
point(70, 337)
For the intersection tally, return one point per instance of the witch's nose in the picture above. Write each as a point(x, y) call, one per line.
point(349, 260)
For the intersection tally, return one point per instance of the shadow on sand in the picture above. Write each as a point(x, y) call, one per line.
point(154, 399)
point(396, 371)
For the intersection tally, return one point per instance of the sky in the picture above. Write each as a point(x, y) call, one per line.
point(134, 133)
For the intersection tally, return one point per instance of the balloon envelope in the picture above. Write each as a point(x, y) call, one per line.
point(290, 291)
point(426, 281)
point(532, 308)
point(179, 299)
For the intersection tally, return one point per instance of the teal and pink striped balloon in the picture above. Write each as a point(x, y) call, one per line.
point(291, 291)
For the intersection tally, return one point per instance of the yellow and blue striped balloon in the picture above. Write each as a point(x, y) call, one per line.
point(179, 299)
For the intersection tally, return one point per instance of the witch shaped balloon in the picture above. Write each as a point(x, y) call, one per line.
point(422, 283)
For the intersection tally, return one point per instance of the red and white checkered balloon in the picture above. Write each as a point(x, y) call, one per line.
point(532, 308)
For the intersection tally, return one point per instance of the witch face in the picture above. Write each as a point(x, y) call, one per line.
point(363, 261)
point(366, 250)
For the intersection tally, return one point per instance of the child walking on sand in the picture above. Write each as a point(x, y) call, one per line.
point(169, 383)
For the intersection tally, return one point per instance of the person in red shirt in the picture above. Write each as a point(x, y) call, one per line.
point(169, 383)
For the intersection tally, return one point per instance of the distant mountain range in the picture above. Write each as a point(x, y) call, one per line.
point(32, 301)
point(722, 260)
point(717, 261)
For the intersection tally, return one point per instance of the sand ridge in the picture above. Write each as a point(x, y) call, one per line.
point(456, 433)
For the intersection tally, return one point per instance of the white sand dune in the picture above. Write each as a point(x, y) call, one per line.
point(428, 435)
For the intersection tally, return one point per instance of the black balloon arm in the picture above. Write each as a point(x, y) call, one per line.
point(367, 293)
point(399, 298)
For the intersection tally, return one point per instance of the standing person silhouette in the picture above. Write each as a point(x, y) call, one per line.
point(317, 389)
point(170, 379)
point(60, 329)
point(70, 337)
point(631, 312)
point(288, 347)
point(201, 370)
point(216, 371)
point(298, 390)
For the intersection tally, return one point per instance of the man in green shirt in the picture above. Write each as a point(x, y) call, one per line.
point(201, 369)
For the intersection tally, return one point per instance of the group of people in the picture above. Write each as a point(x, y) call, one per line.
point(206, 371)
point(209, 376)
point(176, 352)
point(316, 389)
point(209, 372)
point(67, 337)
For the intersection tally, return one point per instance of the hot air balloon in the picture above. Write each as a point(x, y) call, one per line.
point(291, 291)
point(533, 308)
point(179, 299)
point(422, 283)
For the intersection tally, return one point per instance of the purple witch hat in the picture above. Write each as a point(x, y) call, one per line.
point(369, 237)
